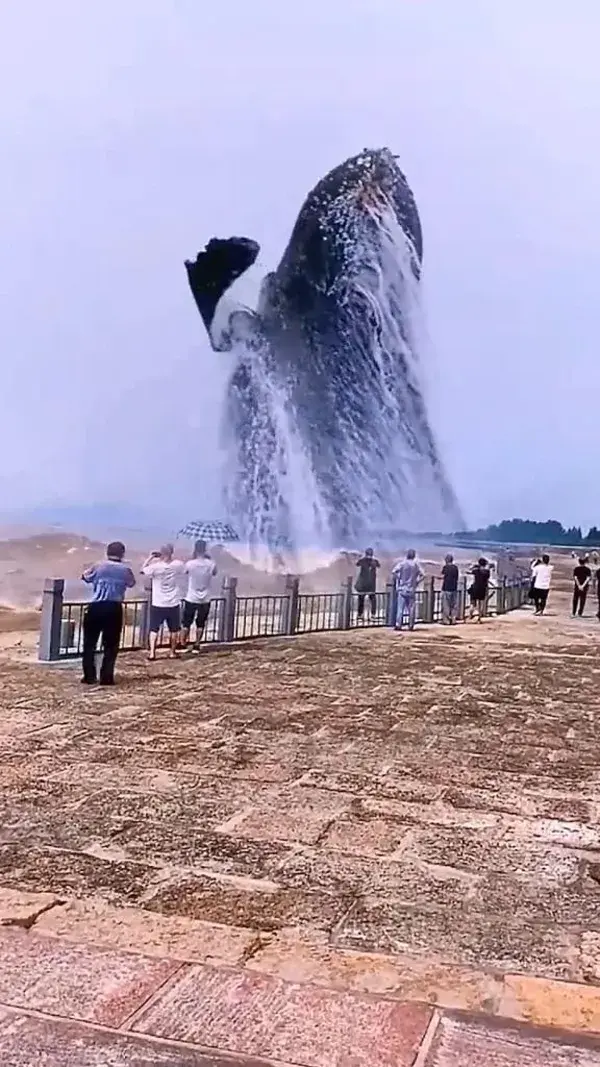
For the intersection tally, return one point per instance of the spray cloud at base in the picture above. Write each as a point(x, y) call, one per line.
point(326, 433)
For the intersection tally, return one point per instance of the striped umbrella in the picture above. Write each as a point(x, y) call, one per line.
point(213, 530)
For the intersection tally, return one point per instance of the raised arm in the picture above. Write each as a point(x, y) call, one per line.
point(130, 578)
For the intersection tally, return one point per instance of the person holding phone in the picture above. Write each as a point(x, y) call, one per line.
point(167, 575)
point(542, 579)
point(201, 571)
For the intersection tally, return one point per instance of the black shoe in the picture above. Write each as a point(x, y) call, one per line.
point(107, 681)
point(88, 681)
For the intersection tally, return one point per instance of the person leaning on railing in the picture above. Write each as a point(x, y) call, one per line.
point(479, 588)
point(407, 575)
point(366, 582)
point(450, 577)
point(104, 616)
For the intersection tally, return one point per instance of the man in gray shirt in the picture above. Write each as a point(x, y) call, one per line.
point(408, 574)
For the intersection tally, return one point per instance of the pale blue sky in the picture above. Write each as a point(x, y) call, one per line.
point(133, 130)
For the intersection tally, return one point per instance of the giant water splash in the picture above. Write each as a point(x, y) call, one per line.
point(327, 435)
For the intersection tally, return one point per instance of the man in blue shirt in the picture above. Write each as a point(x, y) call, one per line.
point(104, 615)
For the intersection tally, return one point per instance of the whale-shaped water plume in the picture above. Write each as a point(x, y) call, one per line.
point(328, 438)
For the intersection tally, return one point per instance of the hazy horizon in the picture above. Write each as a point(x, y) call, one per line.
point(133, 133)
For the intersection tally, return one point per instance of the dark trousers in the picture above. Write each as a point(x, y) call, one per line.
point(541, 596)
point(103, 618)
point(361, 603)
point(579, 599)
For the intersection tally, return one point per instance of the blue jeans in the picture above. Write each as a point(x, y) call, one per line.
point(449, 606)
point(407, 604)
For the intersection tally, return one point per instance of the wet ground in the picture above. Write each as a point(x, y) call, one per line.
point(414, 816)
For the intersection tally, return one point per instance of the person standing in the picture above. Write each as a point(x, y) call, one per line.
point(408, 574)
point(541, 581)
point(104, 615)
point(479, 588)
point(200, 570)
point(167, 575)
point(366, 582)
point(582, 576)
point(449, 591)
point(534, 563)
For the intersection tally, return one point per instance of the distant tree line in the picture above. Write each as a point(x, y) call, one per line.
point(528, 531)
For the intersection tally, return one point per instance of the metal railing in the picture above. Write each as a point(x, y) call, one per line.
point(260, 616)
point(235, 618)
point(318, 612)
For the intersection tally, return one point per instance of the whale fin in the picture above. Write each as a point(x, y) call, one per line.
point(215, 269)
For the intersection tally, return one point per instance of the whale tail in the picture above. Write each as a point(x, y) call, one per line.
point(214, 271)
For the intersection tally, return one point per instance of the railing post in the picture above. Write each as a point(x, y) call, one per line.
point(51, 620)
point(292, 611)
point(145, 619)
point(392, 602)
point(345, 605)
point(501, 598)
point(429, 598)
point(226, 629)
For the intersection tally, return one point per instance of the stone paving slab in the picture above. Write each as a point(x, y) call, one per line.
point(26, 1041)
point(295, 815)
point(404, 977)
point(460, 935)
point(76, 981)
point(252, 903)
point(564, 1004)
point(136, 930)
point(466, 849)
point(181, 846)
point(24, 909)
point(66, 873)
point(258, 1016)
point(467, 1043)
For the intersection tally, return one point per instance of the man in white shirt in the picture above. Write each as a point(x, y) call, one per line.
point(542, 576)
point(168, 576)
point(200, 570)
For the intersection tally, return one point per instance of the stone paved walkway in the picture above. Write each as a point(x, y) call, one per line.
point(333, 851)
